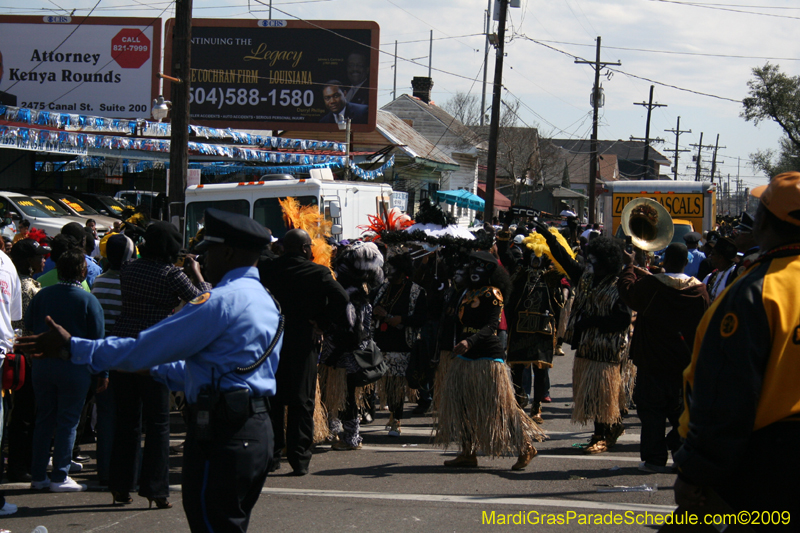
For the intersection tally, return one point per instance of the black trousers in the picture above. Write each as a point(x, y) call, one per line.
point(20, 428)
point(658, 401)
point(299, 435)
point(135, 395)
point(223, 478)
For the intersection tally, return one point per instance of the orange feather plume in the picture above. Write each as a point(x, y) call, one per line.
point(309, 218)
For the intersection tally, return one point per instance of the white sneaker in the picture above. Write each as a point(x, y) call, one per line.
point(7, 509)
point(40, 485)
point(68, 485)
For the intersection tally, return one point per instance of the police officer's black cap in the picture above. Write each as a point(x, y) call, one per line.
point(692, 237)
point(238, 231)
point(745, 223)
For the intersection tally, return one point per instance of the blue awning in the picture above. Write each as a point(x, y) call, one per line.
point(461, 198)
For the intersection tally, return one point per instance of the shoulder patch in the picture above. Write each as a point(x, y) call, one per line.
point(729, 325)
point(201, 299)
point(497, 294)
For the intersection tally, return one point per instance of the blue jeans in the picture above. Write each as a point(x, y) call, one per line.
point(60, 388)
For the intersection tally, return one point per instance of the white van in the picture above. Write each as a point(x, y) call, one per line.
point(21, 206)
point(345, 203)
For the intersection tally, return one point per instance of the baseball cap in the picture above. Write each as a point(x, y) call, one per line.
point(28, 248)
point(518, 239)
point(782, 196)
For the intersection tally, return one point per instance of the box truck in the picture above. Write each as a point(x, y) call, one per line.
point(345, 204)
point(692, 201)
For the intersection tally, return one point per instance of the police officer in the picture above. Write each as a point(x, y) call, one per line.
point(222, 350)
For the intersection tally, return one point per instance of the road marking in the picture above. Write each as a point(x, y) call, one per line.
point(480, 500)
point(552, 435)
point(544, 455)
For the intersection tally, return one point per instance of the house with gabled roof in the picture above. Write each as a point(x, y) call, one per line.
point(445, 132)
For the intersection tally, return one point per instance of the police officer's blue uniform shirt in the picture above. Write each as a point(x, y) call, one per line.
point(229, 327)
point(695, 258)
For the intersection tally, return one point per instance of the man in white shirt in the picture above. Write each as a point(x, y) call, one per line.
point(10, 309)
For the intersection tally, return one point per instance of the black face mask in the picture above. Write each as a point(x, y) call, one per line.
point(459, 278)
point(480, 273)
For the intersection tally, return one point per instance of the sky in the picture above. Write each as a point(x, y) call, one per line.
point(681, 47)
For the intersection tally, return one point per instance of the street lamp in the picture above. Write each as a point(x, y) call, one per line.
point(160, 108)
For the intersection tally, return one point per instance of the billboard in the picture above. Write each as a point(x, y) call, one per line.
point(278, 74)
point(95, 66)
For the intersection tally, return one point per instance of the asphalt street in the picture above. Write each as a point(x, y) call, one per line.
point(400, 484)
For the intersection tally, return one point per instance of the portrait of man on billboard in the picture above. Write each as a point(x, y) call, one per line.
point(339, 109)
point(5, 98)
point(357, 66)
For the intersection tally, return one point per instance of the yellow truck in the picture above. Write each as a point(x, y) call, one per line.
point(691, 201)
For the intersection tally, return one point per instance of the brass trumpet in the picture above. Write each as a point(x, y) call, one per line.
point(647, 223)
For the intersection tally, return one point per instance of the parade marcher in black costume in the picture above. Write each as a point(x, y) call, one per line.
point(478, 409)
point(599, 331)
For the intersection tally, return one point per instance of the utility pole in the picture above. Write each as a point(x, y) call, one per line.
point(485, 61)
point(728, 195)
point(699, 164)
point(677, 131)
point(593, 159)
point(394, 86)
point(430, 55)
point(494, 127)
point(650, 105)
point(714, 158)
point(179, 139)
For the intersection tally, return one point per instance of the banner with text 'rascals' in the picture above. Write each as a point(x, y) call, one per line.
point(97, 66)
point(278, 74)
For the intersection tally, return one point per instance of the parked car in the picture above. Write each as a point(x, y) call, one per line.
point(74, 208)
point(153, 202)
point(21, 206)
point(102, 203)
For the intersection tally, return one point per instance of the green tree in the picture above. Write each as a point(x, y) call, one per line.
point(775, 96)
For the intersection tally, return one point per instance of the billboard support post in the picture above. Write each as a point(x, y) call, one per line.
point(179, 146)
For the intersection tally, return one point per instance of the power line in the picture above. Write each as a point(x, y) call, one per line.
point(673, 52)
point(435, 39)
point(631, 75)
point(719, 8)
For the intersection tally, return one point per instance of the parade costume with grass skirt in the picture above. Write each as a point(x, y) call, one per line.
point(359, 267)
point(478, 410)
point(597, 375)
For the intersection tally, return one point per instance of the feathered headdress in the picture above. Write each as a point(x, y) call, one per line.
point(395, 220)
point(360, 262)
point(39, 236)
point(309, 218)
point(536, 242)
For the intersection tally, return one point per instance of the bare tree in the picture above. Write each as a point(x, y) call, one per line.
point(465, 107)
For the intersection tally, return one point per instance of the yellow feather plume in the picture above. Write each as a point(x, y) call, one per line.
point(309, 218)
point(536, 242)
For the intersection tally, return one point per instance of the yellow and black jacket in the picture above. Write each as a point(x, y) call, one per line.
point(745, 368)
